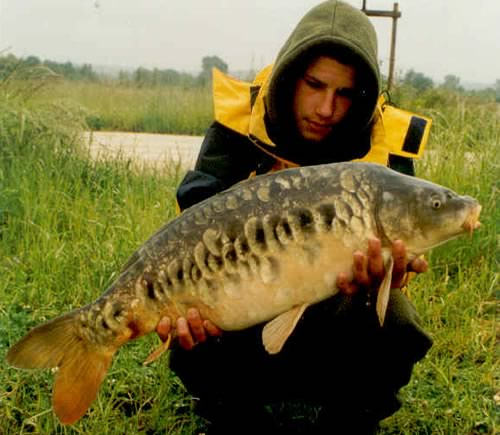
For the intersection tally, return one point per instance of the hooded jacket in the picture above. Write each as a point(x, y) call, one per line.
point(251, 135)
point(254, 129)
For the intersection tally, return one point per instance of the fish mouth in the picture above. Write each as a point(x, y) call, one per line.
point(471, 222)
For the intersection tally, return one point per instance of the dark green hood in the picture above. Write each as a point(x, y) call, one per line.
point(344, 32)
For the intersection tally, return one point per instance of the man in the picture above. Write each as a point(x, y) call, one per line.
point(339, 372)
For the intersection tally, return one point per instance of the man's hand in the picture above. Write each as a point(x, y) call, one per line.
point(368, 269)
point(191, 329)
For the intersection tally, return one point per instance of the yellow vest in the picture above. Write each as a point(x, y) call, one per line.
point(239, 106)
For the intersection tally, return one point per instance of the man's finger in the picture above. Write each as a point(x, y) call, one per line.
point(211, 329)
point(360, 268)
point(346, 286)
point(163, 328)
point(196, 325)
point(375, 259)
point(418, 265)
point(183, 332)
point(400, 263)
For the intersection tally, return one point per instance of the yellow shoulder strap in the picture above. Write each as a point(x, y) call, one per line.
point(240, 105)
point(397, 132)
point(263, 75)
point(257, 128)
point(231, 101)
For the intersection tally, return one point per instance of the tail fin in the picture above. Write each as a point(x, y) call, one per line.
point(81, 365)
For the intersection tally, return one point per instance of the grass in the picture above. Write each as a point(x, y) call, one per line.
point(452, 390)
point(162, 109)
point(68, 224)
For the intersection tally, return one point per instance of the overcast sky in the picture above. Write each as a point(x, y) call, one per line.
point(436, 37)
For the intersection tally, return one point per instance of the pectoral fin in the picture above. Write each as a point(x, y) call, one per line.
point(384, 291)
point(159, 351)
point(277, 331)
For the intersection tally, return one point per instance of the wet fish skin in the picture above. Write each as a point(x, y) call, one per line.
point(261, 251)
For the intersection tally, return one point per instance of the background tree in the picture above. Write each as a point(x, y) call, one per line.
point(418, 80)
point(452, 83)
point(32, 61)
point(143, 76)
point(207, 63)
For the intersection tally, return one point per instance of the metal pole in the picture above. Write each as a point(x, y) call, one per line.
point(394, 14)
point(392, 57)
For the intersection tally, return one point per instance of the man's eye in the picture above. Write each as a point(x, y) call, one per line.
point(313, 83)
point(346, 92)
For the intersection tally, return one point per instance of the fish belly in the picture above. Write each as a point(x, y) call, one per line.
point(300, 274)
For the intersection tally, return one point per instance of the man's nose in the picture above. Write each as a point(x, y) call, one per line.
point(326, 105)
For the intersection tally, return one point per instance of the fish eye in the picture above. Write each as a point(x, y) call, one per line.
point(436, 203)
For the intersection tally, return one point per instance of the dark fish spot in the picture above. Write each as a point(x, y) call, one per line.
point(287, 228)
point(205, 258)
point(260, 236)
point(242, 247)
point(117, 310)
point(150, 289)
point(214, 263)
point(104, 324)
point(270, 225)
point(256, 235)
point(306, 220)
point(230, 255)
point(187, 266)
point(327, 214)
point(195, 273)
point(283, 231)
point(175, 273)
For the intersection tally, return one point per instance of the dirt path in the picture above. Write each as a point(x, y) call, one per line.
point(152, 149)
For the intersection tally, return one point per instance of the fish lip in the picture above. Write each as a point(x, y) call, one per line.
point(471, 222)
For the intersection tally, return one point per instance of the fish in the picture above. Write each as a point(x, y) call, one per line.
point(259, 252)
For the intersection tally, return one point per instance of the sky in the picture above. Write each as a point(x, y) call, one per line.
point(435, 37)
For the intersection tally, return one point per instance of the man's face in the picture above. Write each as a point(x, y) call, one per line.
point(323, 96)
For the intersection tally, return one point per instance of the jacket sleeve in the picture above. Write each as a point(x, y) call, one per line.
point(225, 158)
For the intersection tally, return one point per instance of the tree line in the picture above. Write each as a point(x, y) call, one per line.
point(144, 77)
point(451, 82)
point(23, 68)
